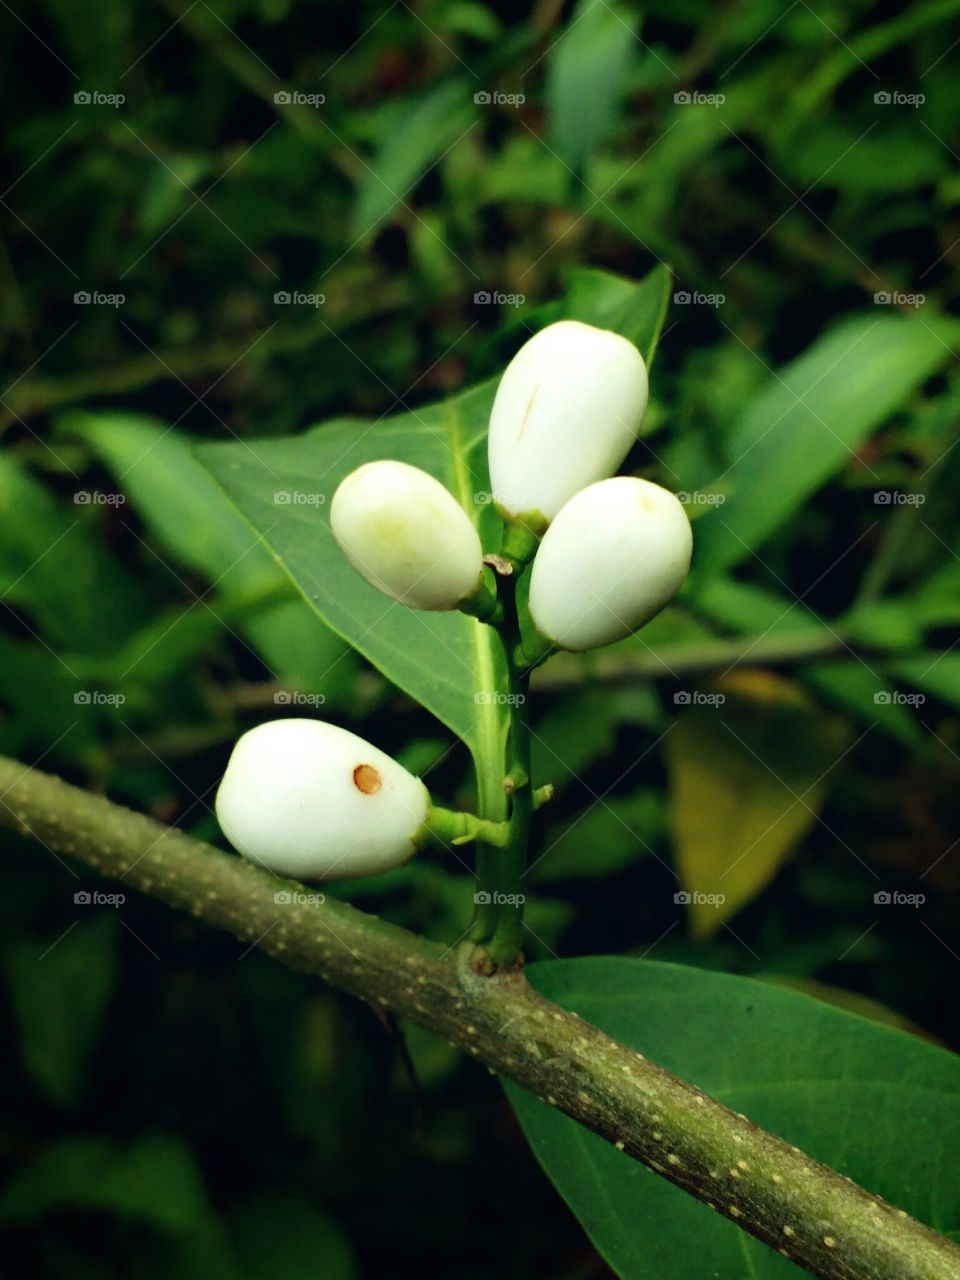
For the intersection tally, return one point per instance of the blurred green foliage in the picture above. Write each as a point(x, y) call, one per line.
point(179, 1105)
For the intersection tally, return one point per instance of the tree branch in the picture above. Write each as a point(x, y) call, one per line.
point(40, 395)
point(819, 1219)
point(626, 665)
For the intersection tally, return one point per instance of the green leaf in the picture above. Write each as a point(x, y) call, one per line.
point(936, 675)
point(606, 837)
point(636, 310)
point(36, 701)
point(807, 423)
point(879, 1106)
point(847, 57)
point(61, 990)
point(852, 684)
point(587, 71)
point(580, 727)
point(154, 1180)
point(195, 524)
point(55, 568)
point(412, 140)
point(283, 1234)
point(886, 161)
point(447, 661)
point(633, 308)
point(747, 778)
point(848, 682)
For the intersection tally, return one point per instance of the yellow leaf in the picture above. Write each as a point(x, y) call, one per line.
point(749, 766)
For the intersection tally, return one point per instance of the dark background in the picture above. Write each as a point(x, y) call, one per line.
point(173, 1103)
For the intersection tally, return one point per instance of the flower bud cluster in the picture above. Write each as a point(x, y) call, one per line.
point(309, 800)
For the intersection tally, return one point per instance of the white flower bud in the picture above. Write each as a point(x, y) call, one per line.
point(615, 555)
point(308, 800)
point(407, 535)
point(568, 408)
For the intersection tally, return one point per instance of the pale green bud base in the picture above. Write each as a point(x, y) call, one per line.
point(533, 650)
point(483, 604)
point(521, 537)
point(541, 795)
point(450, 827)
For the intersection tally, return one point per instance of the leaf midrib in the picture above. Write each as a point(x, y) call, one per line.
point(485, 753)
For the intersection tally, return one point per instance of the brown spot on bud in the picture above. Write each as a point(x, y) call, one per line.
point(367, 779)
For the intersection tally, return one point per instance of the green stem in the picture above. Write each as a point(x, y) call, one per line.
point(492, 806)
point(505, 946)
